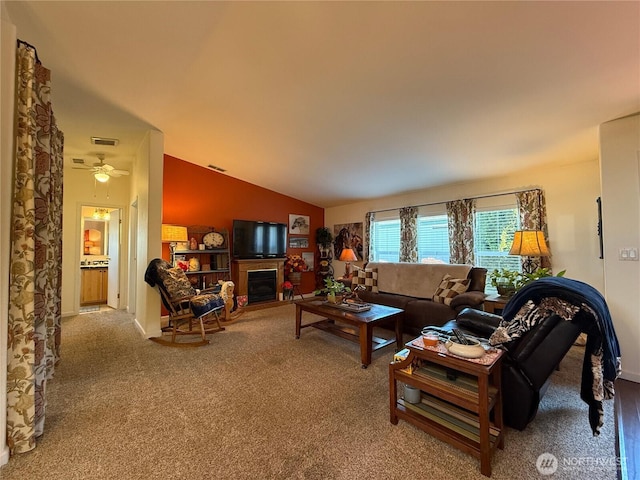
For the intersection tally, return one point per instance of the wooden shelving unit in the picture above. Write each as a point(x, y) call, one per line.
point(460, 400)
point(215, 263)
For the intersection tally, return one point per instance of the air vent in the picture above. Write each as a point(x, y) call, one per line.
point(78, 160)
point(217, 169)
point(109, 142)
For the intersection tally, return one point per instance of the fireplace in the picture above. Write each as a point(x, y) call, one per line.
point(241, 268)
point(262, 285)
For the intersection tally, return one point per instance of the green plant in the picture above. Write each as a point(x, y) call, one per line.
point(324, 236)
point(539, 273)
point(510, 281)
point(332, 286)
point(506, 281)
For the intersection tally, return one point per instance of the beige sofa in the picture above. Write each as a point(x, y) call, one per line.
point(411, 286)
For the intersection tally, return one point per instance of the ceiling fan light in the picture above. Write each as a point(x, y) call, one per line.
point(101, 176)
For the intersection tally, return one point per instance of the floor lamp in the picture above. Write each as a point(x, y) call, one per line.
point(529, 243)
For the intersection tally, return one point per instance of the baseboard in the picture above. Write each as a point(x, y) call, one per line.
point(69, 314)
point(144, 333)
point(632, 377)
point(4, 456)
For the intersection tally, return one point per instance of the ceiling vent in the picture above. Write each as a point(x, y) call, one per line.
point(78, 160)
point(217, 169)
point(109, 142)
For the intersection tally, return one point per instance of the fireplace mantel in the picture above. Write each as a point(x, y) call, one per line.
point(241, 267)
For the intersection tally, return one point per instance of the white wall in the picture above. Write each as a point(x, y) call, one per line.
point(80, 189)
point(620, 171)
point(571, 191)
point(147, 191)
point(7, 80)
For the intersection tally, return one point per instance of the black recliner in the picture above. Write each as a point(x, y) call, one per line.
point(529, 361)
point(537, 328)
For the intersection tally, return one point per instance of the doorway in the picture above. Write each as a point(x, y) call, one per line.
point(100, 239)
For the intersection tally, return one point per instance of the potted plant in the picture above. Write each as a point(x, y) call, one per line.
point(331, 289)
point(539, 273)
point(287, 290)
point(506, 281)
point(324, 236)
point(294, 265)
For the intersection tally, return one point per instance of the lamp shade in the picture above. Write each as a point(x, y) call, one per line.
point(174, 233)
point(529, 243)
point(348, 255)
point(101, 176)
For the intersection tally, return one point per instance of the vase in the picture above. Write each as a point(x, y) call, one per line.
point(331, 297)
point(295, 278)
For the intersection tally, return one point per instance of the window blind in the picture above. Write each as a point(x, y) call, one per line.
point(387, 240)
point(433, 239)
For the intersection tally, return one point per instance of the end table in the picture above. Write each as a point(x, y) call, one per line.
point(495, 304)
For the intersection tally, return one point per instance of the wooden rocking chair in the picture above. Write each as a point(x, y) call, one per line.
point(191, 312)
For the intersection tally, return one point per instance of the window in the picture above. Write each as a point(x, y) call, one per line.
point(493, 234)
point(386, 240)
point(494, 226)
point(433, 239)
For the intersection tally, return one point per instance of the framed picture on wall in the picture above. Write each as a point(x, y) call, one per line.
point(308, 259)
point(298, 224)
point(298, 242)
point(348, 235)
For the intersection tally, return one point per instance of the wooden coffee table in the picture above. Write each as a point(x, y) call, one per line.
point(363, 321)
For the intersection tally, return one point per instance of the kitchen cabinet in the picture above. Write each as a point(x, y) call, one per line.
point(94, 285)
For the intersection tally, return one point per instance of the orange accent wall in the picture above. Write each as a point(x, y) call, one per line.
point(194, 195)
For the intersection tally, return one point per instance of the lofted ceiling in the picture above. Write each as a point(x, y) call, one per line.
point(335, 102)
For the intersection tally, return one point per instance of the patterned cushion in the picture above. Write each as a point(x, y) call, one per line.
point(206, 303)
point(367, 277)
point(449, 288)
point(176, 283)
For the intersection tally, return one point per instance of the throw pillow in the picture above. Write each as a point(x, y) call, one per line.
point(449, 288)
point(367, 277)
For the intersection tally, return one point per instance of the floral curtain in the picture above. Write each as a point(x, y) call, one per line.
point(36, 253)
point(409, 234)
point(532, 210)
point(460, 217)
point(368, 253)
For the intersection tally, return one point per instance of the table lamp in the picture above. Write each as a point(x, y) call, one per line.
point(347, 255)
point(529, 243)
point(172, 234)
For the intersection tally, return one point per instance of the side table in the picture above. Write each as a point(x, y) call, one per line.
point(460, 399)
point(495, 303)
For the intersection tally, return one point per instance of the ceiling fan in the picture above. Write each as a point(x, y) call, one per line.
point(101, 171)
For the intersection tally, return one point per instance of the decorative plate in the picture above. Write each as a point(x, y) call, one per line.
point(213, 240)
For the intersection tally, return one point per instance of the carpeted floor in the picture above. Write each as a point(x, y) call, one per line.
point(258, 404)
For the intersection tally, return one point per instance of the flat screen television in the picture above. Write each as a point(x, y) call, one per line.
point(253, 239)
